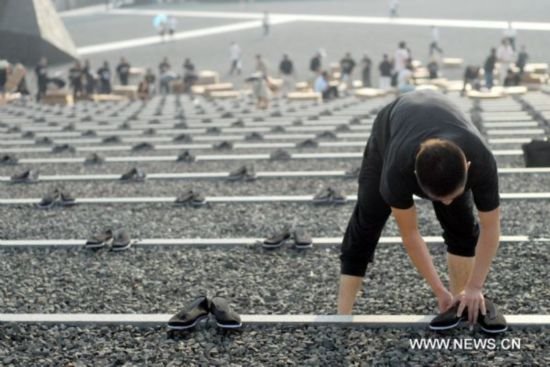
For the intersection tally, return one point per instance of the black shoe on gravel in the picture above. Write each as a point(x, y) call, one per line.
point(324, 196)
point(43, 141)
point(448, 319)
point(254, 136)
point(111, 140)
point(99, 240)
point(226, 317)
point(280, 155)
point(49, 200)
point(63, 148)
point(327, 135)
point(302, 239)
point(246, 173)
point(66, 199)
point(183, 138)
point(8, 160)
point(94, 158)
point(277, 240)
point(133, 175)
point(28, 176)
point(190, 197)
point(278, 129)
point(223, 145)
point(493, 322)
point(186, 156)
point(89, 133)
point(121, 241)
point(191, 315)
point(308, 144)
point(143, 146)
point(337, 197)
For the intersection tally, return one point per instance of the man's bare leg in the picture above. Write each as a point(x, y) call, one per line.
point(349, 286)
point(460, 268)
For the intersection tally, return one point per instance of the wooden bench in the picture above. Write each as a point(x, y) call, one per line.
point(304, 96)
point(364, 93)
point(107, 98)
point(452, 62)
point(229, 94)
point(207, 77)
point(302, 87)
point(58, 97)
point(536, 68)
point(493, 94)
point(128, 91)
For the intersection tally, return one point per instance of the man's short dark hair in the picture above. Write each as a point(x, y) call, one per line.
point(440, 167)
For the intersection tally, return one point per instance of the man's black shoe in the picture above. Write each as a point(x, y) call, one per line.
point(183, 138)
point(329, 196)
point(99, 240)
point(180, 125)
point(121, 241)
point(8, 160)
point(448, 319)
point(66, 199)
point(280, 155)
point(43, 141)
point(302, 239)
point(223, 145)
point(94, 158)
point(111, 140)
point(150, 131)
point(327, 135)
point(238, 123)
point(48, 201)
point(276, 114)
point(277, 240)
point(227, 115)
point(337, 197)
point(493, 322)
point(143, 146)
point(278, 129)
point(242, 173)
point(225, 317)
point(63, 148)
point(186, 156)
point(133, 175)
point(213, 130)
point(89, 133)
point(342, 128)
point(297, 122)
point(28, 176)
point(254, 136)
point(308, 143)
point(191, 315)
point(191, 197)
point(28, 135)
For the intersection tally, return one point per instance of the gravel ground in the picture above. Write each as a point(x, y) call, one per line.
point(260, 346)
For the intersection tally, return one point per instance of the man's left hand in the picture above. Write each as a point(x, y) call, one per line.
point(472, 298)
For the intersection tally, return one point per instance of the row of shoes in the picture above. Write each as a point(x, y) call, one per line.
point(493, 322)
point(200, 309)
point(118, 240)
point(301, 239)
point(56, 197)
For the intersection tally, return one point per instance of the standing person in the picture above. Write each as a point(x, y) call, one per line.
point(505, 57)
point(422, 144)
point(4, 66)
point(366, 66)
point(523, 56)
point(471, 77)
point(266, 23)
point(286, 70)
point(88, 78)
point(123, 71)
point(151, 79)
point(165, 76)
point(385, 69)
point(172, 24)
point(235, 54)
point(434, 45)
point(41, 71)
point(189, 75)
point(433, 68)
point(261, 65)
point(260, 90)
point(510, 34)
point(394, 7)
point(315, 64)
point(400, 59)
point(347, 64)
point(489, 68)
point(75, 79)
point(104, 75)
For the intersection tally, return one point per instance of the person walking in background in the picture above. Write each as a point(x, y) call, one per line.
point(172, 25)
point(433, 68)
point(385, 69)
point(75, 79)
point(286, 70)
point(505, 57)
point(523, 56)
point(123, 71)
point(266, 24)
point(394, 7)
point(104, 75)
point(41, 71)
point(88, 78)
point(190, 76)
point(151, 79)
point(434, 45)
point(400, 59)
point(235, 54)
point(489, 68)
point(366, 66)
point(510, 34)
point(347, 65)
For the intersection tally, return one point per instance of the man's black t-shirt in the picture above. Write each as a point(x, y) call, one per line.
point(286, 67)
point(419, 116)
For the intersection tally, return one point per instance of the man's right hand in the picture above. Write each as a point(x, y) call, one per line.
point(444, 300)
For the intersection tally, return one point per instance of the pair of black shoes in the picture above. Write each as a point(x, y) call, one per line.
point(200, 309)
point(56, 197)
point(117, 240)
point(493, 322)
point(302, 240)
